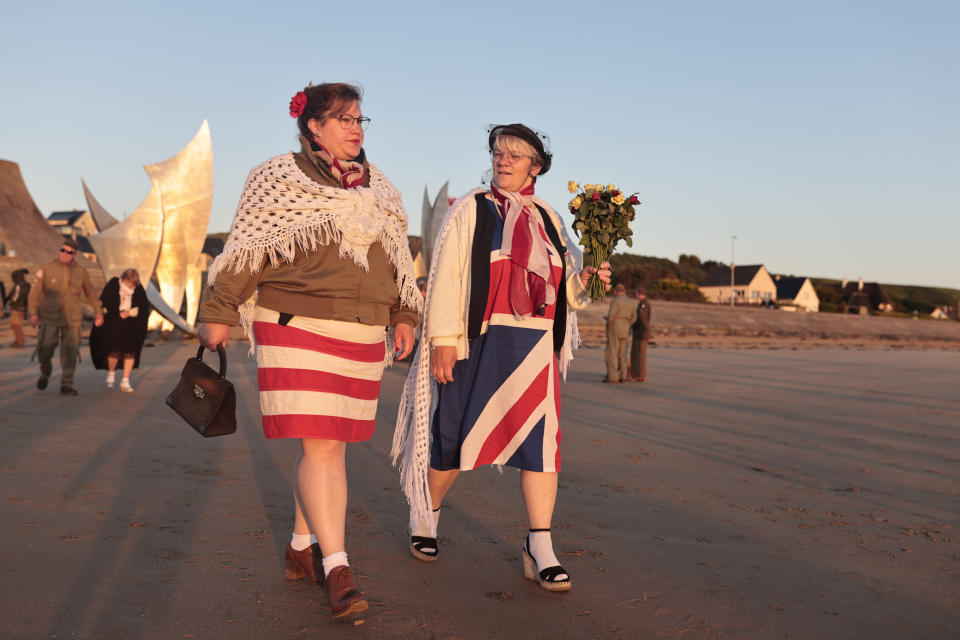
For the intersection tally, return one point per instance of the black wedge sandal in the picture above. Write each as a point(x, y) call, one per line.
point(546, 578)
point(424, 548)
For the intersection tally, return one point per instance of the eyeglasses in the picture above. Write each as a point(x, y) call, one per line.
point(509, 157)
point(65, 250)
point(346, 121)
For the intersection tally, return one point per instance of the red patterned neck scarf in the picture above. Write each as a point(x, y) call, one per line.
point(533, 286)
point(349, 174)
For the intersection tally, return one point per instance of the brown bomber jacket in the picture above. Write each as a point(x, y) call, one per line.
point(316, 284)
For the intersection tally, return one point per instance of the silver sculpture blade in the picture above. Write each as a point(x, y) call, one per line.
point(161, 307)
point(101, 218)
point(431, 220)
point(132, 243)
point(186, 191)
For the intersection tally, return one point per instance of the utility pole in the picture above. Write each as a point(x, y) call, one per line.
point(733, 294)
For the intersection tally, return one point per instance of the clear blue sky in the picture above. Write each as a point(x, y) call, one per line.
point(824, 134)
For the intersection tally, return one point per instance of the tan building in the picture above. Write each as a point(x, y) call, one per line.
point(797, 292)
point(752, 284)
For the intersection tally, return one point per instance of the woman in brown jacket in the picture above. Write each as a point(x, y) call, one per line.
point(316, 267)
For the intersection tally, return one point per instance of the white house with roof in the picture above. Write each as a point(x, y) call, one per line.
point(752, 284)
point(797, 292)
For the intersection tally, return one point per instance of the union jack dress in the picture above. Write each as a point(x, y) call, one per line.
point(503, 404)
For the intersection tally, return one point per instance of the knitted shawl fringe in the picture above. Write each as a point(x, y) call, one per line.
point(411, 437)
point(282, 210)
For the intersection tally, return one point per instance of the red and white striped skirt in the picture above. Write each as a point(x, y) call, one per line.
point(318, 378)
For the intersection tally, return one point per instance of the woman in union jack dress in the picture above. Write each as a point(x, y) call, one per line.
point(498, 332)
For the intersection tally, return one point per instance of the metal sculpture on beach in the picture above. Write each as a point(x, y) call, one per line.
point(431, 220)
point(165, 234)
point(186, 191)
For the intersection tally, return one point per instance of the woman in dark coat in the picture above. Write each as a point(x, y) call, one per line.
point(125, 311)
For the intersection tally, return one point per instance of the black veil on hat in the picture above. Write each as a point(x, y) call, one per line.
point(535, 139)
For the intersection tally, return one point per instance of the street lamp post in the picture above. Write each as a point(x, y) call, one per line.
point(733, 293)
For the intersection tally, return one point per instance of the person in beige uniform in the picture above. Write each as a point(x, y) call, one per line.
point(622, 314)
point(56, 302)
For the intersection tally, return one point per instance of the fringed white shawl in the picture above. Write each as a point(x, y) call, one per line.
point(281, 210)
point(411, 438)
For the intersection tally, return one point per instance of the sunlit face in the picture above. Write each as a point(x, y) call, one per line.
point(67, 254)
point(511, 170)
point(343, 144)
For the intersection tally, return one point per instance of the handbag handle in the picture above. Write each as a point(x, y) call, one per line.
point(223, 358)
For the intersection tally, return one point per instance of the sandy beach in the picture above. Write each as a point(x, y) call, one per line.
point(740, 493)
point(689, 324)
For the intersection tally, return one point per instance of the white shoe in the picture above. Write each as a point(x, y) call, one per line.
point(110, 378)
point(125, 386)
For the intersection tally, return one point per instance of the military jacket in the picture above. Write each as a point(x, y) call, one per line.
point(59, 293)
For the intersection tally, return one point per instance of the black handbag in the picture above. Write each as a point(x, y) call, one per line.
point(205, 398)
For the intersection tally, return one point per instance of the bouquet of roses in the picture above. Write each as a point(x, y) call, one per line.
point(601, 218)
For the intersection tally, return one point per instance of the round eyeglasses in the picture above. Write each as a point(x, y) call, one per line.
point(509, 157)
point(347, 121)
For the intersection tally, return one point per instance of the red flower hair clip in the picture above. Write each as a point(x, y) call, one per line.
point(297, 104)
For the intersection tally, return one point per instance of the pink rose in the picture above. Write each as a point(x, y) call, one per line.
point(596, 195)
point(633, 199)
point(614, 193)
point(297, 104)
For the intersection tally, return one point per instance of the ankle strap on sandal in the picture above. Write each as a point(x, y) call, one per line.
point(536, 530)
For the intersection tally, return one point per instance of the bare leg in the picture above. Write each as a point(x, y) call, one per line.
point(440, 483)
point(300, 526)
point(127, 366)
point(112, 363)
point(421, 545)
point(321, 486)
point(540, 495)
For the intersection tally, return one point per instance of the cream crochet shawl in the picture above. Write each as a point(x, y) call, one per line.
point(281, 210)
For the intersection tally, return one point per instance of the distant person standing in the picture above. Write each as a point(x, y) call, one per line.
point(18, 306)
point(641, 336)
point(620, 316)
point(57, 304)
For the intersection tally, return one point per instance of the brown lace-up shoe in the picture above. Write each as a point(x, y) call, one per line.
point(303, 563)
point(344, 595)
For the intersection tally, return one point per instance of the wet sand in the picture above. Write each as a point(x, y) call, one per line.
point(738, 494)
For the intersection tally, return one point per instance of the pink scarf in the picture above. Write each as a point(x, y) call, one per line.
point(350, 174)
point(532, 283)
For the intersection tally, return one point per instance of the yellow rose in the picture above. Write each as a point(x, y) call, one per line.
point(588, 187)
point(576, 202)
point(611, 187)
point(572, 186)
point(618, 199)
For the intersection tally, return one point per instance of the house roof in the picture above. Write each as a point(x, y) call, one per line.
point(788, 288)
point(212, 247)
point(67, 217)
point(83, 244)
point(719, 276)
point(872, 290)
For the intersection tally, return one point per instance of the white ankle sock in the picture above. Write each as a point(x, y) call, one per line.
point(301, 541)
point(333, 561)
point(421, 528)
point(540, 546)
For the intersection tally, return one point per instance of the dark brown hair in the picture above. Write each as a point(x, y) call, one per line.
point(324, 99)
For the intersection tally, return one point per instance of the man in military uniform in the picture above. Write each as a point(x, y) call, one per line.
point(641, 337)
point(56, 305)
point(620, 316)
